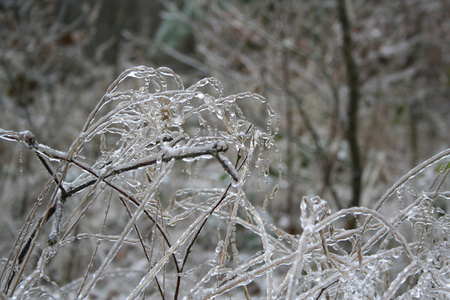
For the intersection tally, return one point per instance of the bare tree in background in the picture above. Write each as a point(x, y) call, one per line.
point(367, 82)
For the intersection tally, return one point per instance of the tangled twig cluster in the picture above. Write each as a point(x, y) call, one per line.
point(158, 202)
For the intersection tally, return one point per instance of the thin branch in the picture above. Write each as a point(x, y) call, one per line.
point(352, 109)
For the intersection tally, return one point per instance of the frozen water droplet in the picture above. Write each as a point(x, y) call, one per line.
point(274, 191)
point(177, 121)
point(397, 254)
point(20, 160)
point(201, 121)
point(188, 168)
point(259, 160)
point(266, 171)
point(200, 95)
point(219, 113)
point(147, 84)
point(240, 123)
point(271, 111)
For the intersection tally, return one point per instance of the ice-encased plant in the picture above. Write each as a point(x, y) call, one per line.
point(117, 170)
point(162, 195)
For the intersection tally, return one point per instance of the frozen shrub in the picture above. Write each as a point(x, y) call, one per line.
point(164, 192)
point(125, 153)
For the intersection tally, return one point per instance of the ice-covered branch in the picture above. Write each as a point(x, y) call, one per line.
point(167, 154)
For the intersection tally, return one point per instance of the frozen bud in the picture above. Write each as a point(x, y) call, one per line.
point(29, 139)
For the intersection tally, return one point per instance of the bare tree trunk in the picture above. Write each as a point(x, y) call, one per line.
point(352, 110)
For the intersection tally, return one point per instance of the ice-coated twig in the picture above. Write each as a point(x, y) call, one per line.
point(53, 236)
point(25, 137)
point(227, 166)
point(168, 153)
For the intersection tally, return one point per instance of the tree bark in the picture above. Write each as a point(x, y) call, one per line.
point(352, 110)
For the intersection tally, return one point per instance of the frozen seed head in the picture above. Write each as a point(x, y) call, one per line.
point(29, 139)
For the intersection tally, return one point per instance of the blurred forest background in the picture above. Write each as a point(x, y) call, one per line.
point(359, 106)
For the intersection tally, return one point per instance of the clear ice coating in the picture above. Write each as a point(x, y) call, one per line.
point(163, 107)
point(129, 154)
point(181, 159)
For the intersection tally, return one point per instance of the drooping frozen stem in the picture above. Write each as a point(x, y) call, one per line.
point(128, 146)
